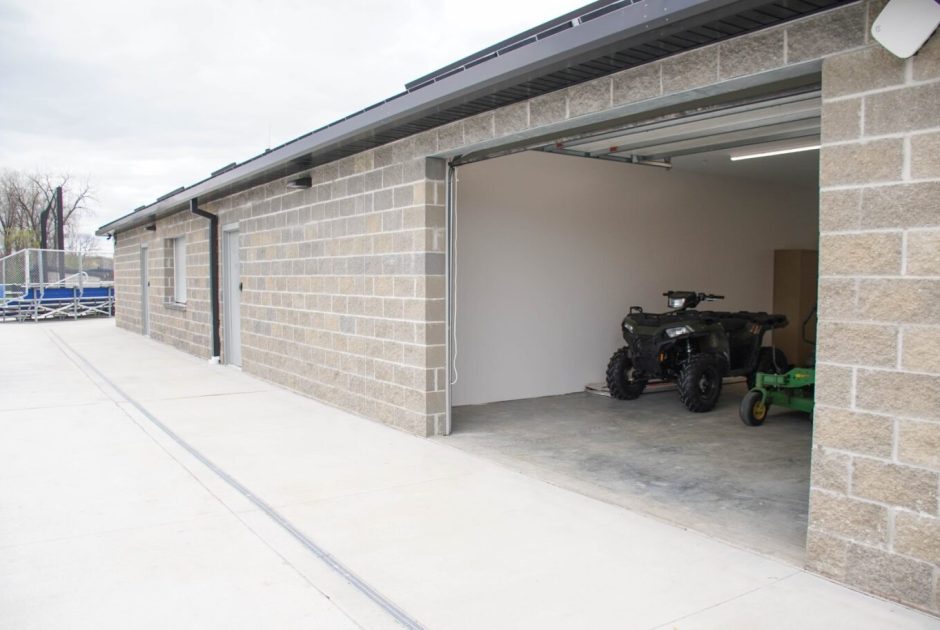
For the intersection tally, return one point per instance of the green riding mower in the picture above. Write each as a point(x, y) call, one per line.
point(792, 388)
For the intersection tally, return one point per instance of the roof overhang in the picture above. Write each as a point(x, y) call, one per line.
point(617, 38)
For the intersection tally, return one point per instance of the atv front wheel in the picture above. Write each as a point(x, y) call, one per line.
point(621, 377)
point(700, 383)
point(769, 361)
point(753, 409)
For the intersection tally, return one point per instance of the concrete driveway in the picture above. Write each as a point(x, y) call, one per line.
point(144, 488)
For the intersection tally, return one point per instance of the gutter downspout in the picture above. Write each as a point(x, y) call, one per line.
point(213, 273)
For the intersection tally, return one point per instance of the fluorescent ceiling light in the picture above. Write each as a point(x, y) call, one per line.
point(775, 148)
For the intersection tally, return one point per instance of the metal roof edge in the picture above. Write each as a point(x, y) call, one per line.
point(638, 20)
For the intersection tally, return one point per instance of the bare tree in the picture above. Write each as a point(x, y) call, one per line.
point(23, 197)
point(82, 243)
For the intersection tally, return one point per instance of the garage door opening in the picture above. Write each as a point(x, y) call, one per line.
point(550, 251)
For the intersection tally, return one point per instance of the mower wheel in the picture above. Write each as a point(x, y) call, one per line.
point(700, 383)
point(753, 409)
point(769, 361)
point(621, 381)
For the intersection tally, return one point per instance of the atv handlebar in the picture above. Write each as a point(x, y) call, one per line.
point(689, 299)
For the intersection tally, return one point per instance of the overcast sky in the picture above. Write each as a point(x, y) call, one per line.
point(144, 96)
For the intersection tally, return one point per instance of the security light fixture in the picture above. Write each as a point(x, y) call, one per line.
point(301, 182)
point(151, 228)
point(775, 148)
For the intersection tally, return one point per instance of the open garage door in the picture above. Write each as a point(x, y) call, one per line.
point(551, 251)
point(783, 124)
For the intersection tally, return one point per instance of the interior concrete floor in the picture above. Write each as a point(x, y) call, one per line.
point(709, 472)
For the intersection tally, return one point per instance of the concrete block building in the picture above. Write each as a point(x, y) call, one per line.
point(332, 264)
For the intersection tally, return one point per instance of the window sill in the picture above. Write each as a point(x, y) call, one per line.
point(175, 306)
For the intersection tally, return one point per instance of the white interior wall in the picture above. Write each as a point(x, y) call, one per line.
point(552, 250)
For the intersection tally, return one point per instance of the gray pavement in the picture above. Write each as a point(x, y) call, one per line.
point(144, 488)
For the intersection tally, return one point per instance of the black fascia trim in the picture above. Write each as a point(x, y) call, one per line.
point(633, 23)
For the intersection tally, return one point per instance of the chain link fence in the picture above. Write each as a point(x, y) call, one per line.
point(47, 283)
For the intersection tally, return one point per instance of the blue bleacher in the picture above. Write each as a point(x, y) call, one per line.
point(59, 302)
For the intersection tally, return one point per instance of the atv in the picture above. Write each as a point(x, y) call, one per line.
point(695, 349)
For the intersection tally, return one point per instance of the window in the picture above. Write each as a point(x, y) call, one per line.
point(178, 261)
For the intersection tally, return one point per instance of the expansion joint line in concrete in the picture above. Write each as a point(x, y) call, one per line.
point(355, 581)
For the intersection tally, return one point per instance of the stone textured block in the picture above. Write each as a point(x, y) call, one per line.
point(874, 254)
point(889, 575)
point(589, 97)
point(895, 484)
point(826, 33)
point(923, 253)
point(919, 443)
point(435, 168)
point(637, 84)
point(906, 301)
point(861, 70)
point(842, 120)
point(425, 143)
point(751, 54)
point(837, 298)
point(830, 470)
point(873, 345)
point(478, 128)
point(548, 108)
point(850, 518)
point(927, 60)
point(900, 393)
point(690, 70)
point(833, 386)
point(906, 109)
point(861, 163)
point(901, 206)
point(512, 119)
point(925, 156)
point(918, 536)
point(839, 209)
point(450, 136)
point(935, 606)
point(921, 349)
point(853, 431)
point(826, 554)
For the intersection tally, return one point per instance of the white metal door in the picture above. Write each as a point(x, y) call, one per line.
point(231, 298)
point(144, 291)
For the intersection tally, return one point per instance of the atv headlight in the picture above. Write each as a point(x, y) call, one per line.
point(675, 302)
point(677, 331)
point(628, 327)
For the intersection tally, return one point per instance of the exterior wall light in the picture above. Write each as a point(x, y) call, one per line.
point(300, 182)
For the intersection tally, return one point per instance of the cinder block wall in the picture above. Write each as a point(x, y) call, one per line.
point(876, 463)
point(127, 313)
point(188, 327)
point(344, 286)
point(343, 283)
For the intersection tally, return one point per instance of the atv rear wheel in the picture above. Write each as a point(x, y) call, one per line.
point(769, 361)
point(621, 377)
point(700, 383)
point(753, 409)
